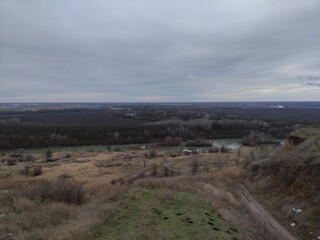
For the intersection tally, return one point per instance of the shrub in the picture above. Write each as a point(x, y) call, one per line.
point(25, 158)
point(113, 181)
point(214, 149)
point(224, 149)
point(141, 175)
point(170, 141)
point(64, 176)
point(198, 143)
point(31, 171)
point(48, 155)
point(25, 171)
point(36, 171)
point(11, 162)
point(174, 154)
point(151, 154)
point(57, 191)
point(117, 149)
point(254, 169)
point(107, 163)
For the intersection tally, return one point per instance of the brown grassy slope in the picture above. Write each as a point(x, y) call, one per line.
point(291, 179)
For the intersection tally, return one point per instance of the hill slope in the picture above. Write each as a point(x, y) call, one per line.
point(290, 180)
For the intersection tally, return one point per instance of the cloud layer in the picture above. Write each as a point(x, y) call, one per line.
point(147, 50)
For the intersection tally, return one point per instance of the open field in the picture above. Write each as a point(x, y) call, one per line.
point(115, 193)
point(138, 192)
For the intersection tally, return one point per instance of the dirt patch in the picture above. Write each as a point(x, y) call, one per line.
point(236, 205)
point(263, 216)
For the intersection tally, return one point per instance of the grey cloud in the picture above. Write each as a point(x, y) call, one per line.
point(140, 50)
point(308, 78)
point(313, 84)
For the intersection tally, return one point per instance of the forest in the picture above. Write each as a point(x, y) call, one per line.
point(60, 126)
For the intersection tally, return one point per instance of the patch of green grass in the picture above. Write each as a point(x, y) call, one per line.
point(164, 214)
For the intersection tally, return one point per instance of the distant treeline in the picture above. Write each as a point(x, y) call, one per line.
point(15, 135)
point(148, 124)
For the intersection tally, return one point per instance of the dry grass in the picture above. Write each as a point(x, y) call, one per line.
point(231, 172)
point(31, 220)
point(28, 217)
point(291, 179)
point(61, 190)
point(42, 207)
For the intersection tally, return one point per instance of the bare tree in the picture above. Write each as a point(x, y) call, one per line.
point(48, 155)
point(27, 170)
point(155, 170)
point(206, 166)
point(252, 156)
point(219, 164)
point(166, 169)
point(194, 166)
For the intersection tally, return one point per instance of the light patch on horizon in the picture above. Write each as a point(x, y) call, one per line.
point(158, 51)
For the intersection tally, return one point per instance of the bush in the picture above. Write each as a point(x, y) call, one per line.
point(64, 176)
point(224, 149)
point(113, 181)
point(11, 162)
point(198, 143)
point(151, 154)
point(48, 155)
point(25, 158)
point(57, 191)
point(214, 149)
point(36, 171)
point(116, 149)
point(174, 154)
point(107, 163)
point(31, 171)
point(170, 142)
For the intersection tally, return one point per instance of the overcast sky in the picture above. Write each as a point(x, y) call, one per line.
point(151, 50)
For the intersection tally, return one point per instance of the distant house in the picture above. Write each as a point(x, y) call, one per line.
point(186, 150)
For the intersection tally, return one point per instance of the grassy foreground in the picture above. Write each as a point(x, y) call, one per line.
point(166, 214)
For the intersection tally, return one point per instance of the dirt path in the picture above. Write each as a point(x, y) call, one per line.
point(263, 216)
point(244, 210)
